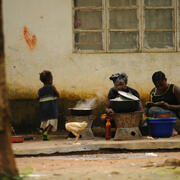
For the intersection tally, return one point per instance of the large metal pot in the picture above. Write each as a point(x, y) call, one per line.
point(124, 106)
point(80, 111)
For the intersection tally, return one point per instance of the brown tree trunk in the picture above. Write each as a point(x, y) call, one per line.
point(7, 162)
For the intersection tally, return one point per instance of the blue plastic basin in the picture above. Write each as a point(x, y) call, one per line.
point(161, 127)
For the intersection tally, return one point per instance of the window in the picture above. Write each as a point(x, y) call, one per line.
point(88, 25)
point(126, 25)
point(159, 24)
point(123, 31)
point(178, 24)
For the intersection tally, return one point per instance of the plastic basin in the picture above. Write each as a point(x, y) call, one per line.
point(17, 139)
point(163, 114)
point(161, 127)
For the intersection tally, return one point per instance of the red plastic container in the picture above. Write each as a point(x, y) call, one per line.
point(17, 139)
point(163, 114)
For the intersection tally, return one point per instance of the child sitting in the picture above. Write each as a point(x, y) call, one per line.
point(47, 96)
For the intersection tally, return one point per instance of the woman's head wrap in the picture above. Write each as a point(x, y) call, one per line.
point(119, 77)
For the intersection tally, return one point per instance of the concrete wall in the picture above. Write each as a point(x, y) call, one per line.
point(38, 36)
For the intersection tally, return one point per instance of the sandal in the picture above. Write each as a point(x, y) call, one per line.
point(174, 133)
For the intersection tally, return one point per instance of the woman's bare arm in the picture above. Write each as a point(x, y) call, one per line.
point(177, 94)
point(56, 92)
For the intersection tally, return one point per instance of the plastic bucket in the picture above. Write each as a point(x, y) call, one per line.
point(161, 127)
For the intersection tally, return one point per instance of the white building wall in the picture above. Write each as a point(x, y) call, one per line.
point(51, 22)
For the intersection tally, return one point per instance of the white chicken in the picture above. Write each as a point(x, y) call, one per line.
point(76, 128)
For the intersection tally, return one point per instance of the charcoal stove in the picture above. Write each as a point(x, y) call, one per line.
point(127, 125)
point(80, 115)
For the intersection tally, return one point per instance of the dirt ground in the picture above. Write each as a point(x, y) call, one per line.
point(124, 166)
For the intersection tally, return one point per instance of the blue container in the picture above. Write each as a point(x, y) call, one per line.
point(161, 127)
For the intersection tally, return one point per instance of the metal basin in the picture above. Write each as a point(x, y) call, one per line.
point(124, 106)
point(80, 112)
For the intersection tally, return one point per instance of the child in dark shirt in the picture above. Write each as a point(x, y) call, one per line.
point(47, 96)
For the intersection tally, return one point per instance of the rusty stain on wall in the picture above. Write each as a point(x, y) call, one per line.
point(30, 38)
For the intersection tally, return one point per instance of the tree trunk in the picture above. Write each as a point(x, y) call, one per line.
point(7, 162)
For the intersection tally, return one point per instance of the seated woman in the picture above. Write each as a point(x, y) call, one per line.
point(120, 81)
point(164, 96)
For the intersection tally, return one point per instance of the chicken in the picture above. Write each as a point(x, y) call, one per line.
point(76, 128)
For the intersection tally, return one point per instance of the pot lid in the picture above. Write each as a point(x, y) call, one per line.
point(128, 95)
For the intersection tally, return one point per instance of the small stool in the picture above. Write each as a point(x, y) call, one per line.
point(87, 132)
point(127, 125)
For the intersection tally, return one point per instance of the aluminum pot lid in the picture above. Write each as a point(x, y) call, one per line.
point(128, 95)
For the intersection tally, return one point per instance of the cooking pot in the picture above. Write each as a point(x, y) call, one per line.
point(124, 106)
point(80, 111)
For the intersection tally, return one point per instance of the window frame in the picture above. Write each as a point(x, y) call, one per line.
point(108, 30)
point(177, 25)
point(160, 30)
point(140, 28)
point(93, 31)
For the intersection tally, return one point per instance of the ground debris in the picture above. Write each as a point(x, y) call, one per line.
point(57, 174)
point(171, 162)
point(151, 154)
point(150, 138)
point(115, 172)
point(150, 164)
point(132, 164)
point(177, 172)
point(168, 162)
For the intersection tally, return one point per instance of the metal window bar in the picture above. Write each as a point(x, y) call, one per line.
point(109, 30)
point(161, 30)
point(141, 26)
point(177, 25)
point(78, 30)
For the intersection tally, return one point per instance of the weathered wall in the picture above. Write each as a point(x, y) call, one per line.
point(38, 36)
point(50, 21)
